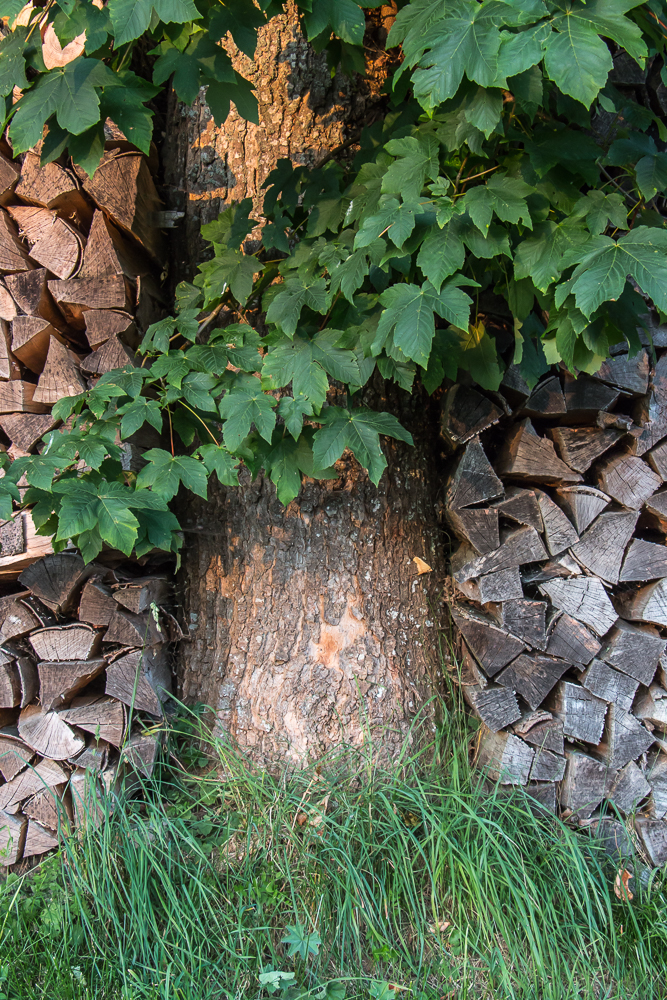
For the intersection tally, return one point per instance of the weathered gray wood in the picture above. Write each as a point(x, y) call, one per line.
point(633, 649)
point(520, 505)
point(613, 838)
point(470, 672)
point(533, 677)
point(656, 776)
point(102, 716)
point(134, 630)
point(561, 567)
point(97, 606)
point(546, 400)
point(142, 679)
point(610, 685)
point(579, 447)
point(559, 532)
point(624, 738)
point(585, 599)
point(12, 838)
point(476, 525)
point(628, 788)
point(466, 413)
point(505, 758)
point(584, 784)
point(542, 794)
point(503, 585)
point(496, 707)
point(29, 679)
point(473, 479)
point(89, 808)
point(648, 604)
point(541, 730)
point(139, 595)
point(601, 548)
point(526, 620)
point(55, 579)
point(644, 561)
point(581, 713)
point(94, 757)
point(66, 642)
point(656, 509)
point(16, 619)
point(61, 680)
point(518, 546)
point(651, 707)
point(621, 421)
point(584, 396)
point(142, 752)
point(650, 424)
point(627, 479)
point(547, 766)
point(38, 840)
point(493, 646)
point(10, 685)
point(48, 733)
point(31, 780)
point(570, 640)
point(514, 381)
point(528, 456)
point(628, 374)
point(653, 836)
point(657, 459)
point(14, 756)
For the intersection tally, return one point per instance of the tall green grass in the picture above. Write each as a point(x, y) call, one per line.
point(413, 881)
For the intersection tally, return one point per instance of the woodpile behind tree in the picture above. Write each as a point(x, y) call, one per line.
point(558, 502)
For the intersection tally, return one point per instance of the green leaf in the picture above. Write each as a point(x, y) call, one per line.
point(360, 431)
point(293, 410)
point(651, 173)
point(12, 61)
point(244, 405)
point(218, 460)
point(442, 253)
point(417, 160)
point(304, 363)
point(342, 17)
point(241, 19)
point(479, 357)
point(125, 105)
point(599, 209)
point(233, 269)
point(295, 293)
point(602, 270)
point(165, 472)
point(131, 18)
point(397, 220)
point(350, 274)
point(139, 412)
point(197, 391)
point(232, 225)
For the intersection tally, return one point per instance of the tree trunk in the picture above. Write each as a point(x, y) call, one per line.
point(309, 626)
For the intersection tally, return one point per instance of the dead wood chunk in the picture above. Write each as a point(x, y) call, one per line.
point(613, 837)
point(650, 424)
point(50, 186)
point(623, 740)
point(533, 677)
point(546, 734)
point(128, 629)
point(104, 323)
point(61, 375)
point(54, 243)
point(38, 840)
point(8, 307)
point(503, 585)
point(542, 794)
point(610, 685)
point(60, 680)
point(90, 810)
point(477, 525)
point(142, 752)
point(505, 758)
point(473, 479)
point(466, 413)
point(652, 834)
point(14, 756)
point(514, 381)
point(104, 717)
point(584, 397)
point(31, 780)
point(579, 447)
point(628, 479)
point(559, 533)
point(546, 400)
point(139, 595)
point(582, 504)
point(497, 707)
point(18, 397)
point(66, 642)
point(527, 456)
point(56, 579)
point(628, 374)
point(633, 649)
point(547, 766)
point(628, 788)
point(656, 510)
point(100, 258)
point(29, 679)
point(77, 295)
point(113, 354)
point(648, 604)
point(43, 614)
point(122, 186)
point(142, 679)
point(584, 784)
point(494, 647)
point(13, 252)
point(9, 175)
point(25, 430)
point(9, 366)
point(651, 707)
point(618, 420)
point(12, 838)
point(644, 561)
point(51, 808)
point(526, 620)
point(520, 505)
point(585, 599)
point(657, 459)
point(602, 547)
point(10, 686)
point(97, 606)
point(94, 757)
point(12, 536)
point(656, 775)
point(31, 339)
point(581, 713)
point(470, 674)
point(31, 294)
point(16, 620)
point(48, 733)
point(520, 546)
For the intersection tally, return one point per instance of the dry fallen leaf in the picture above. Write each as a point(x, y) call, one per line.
point(422, 567)
point(54, 54)
point(441, 926)
point(621, 887)
point(301, 818)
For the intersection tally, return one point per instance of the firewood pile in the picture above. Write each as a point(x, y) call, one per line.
point(84, 674)
point(558, 503)
point(79, 263)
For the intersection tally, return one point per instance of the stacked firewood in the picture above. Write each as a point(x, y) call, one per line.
point(84, 674)
point(557, 501)
point(79, 262)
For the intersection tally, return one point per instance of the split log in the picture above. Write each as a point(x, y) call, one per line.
point(76, 295)
point(648, 604)
point(66, 642)
point(585, 599)
point(581, 713)
point(623, 372)
point(547, 766)
point(104, 323)
point(559, 533)
point(25, 430)
point(127, 629)
point(621, 421)
point(651, 707)
point(496, 707)
point(533, 677)
point(12, 838)
point(97, 606)
point(8, 308)
point(601, 548)
point(505, 758)
point(628, 479)
point(644, 561)
point(503, 585)
point(563, 566)
point(16, 620)
point(584, 784)
point(478, 526)
point(541, 730)
point(657, 459)
point(624, 738)
point(9, 175)
point(515, 384)
point(656, 509)
point(526, 620)
point(628, 789)
point(45, 774)
point(610, 685)
point(546, 400)
point(95, 757)
point(493, 647)
point(48, 733)
point(9, 366)
point(582, 504)
point(139, 595)
point(54, 243)
point(19, 397)
point(527, 456)
point(653, 836)
point(107, 252)
point(584, 397)
point(13, 253)
point(473, 479)
point(38, 840)
point(29, 679)
point(10, 686)
point(522, 545)
point(14, 756)
point(90, 811)
point(521, 506)
point(633, 649)
point(465, 414)
point(102, 716)
point(141, 753)
point(12, 536)
point(31, 339)
point(142, 679)
point(52, 186)
point(650, 424)
point(60, 680)
point(113, 354)
point(50, 808)
point(656, 775)
point(579, 447)
point(56, 579)
point(541, 794)
point(61, 375)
